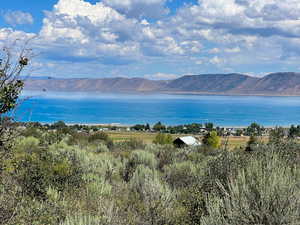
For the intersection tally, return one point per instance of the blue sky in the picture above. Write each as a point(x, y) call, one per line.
point(156, 39)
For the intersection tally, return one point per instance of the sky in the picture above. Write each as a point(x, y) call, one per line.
point(154, 39)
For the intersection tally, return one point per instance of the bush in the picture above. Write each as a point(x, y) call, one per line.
point(80, 219)
point(163, 139)
point(137, 158)
point(98, 148)
point(180, 175)
point(165, 155)
point(35, 169)
point(212, 140)
point(266, 192)
point(101, 137)
point(29, 144)
point(156, 197)
point(131, 144)
point(221, 168)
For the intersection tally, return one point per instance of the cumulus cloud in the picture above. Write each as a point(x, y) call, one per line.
point(153, 9)
point(209, 34)
point(252, 17)
point(9, 36)
point(87, 32)
point(18, 18)
point(100, 32)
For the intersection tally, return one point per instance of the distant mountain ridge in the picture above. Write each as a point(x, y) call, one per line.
point(283, 83)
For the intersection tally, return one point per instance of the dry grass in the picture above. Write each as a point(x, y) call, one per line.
point(147, 138)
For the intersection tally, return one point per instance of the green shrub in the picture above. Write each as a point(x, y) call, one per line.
point(80, 219)
point(157, 199)
point(143, 158)
point(221, 168)
point(136, 158)
point(101, 136)
point(183, 174)
point(165, 154)
point(212, 140)
point(28, 144)
point(265, 192)
point(193, 200)
point(32, 132)
point(163, 139)
point(98, 148)
point(35, 169)
point(131, 144)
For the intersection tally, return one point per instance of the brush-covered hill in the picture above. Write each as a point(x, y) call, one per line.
point(96, 85)
point(210, 83)
point(235, 84)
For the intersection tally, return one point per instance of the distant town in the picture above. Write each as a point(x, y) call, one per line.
point(193, 128)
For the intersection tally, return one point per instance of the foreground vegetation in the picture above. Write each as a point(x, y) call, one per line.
point(73, 178)
point(66, 177)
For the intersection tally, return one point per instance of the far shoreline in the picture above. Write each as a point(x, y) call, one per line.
point(146, 93)
point(120, 125)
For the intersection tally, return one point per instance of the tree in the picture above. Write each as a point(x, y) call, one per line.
point(139, 127)
point(11, 85)
point(212, 140)
point(254, 130)
point(163, 139)
point(147, 127)
point(159, 127)
point(294, 131)
point(209, 126)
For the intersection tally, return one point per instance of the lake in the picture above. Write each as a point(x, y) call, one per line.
point(101, 108)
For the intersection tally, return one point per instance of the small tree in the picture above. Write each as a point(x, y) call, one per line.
point(212, 140)
point(163, 139)
point(159, 127)
point(294, 131)
point(147, 127)
point(254, 130)
point(209, 126)
point(11, 85)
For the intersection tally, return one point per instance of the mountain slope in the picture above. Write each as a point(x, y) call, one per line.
point(235, 84)
point(209, 82)
point(101, 85)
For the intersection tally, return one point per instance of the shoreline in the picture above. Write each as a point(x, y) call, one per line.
point(174, 93)
point(120, 125)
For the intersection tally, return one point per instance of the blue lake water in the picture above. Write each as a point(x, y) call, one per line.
point(169, 109)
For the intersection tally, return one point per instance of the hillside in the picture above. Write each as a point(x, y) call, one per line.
point(235, 84)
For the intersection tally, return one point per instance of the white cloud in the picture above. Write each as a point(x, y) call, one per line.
point(254, 17)
point(8, 36)
point(139, 8)
point(18, 18)
point(79, 30)
point(113, 34)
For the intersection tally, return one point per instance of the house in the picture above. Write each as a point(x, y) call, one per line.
point(186, 141)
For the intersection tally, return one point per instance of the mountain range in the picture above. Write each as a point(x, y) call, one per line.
point(283, 83)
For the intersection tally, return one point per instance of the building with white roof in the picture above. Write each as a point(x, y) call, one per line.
point(186, 141)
